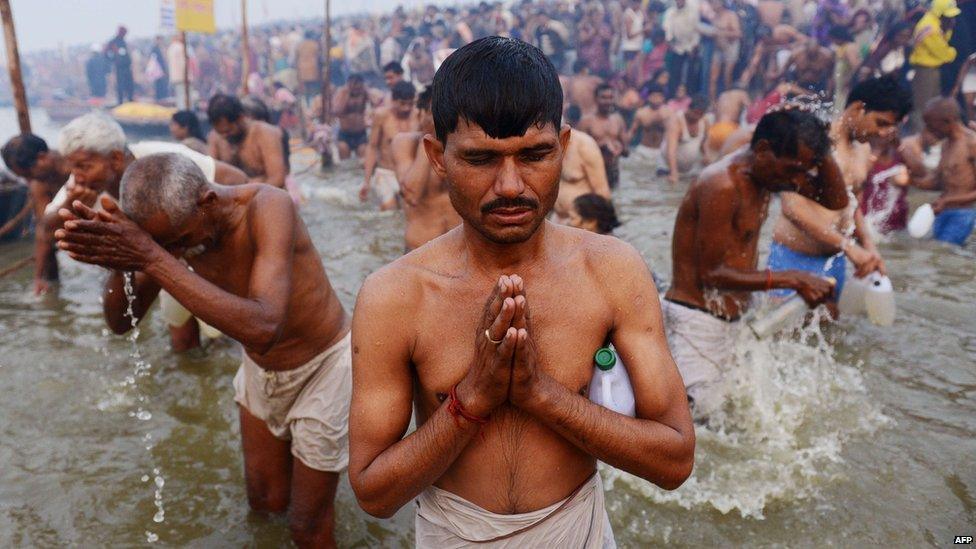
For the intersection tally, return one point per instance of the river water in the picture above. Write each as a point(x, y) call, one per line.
point(856, 435)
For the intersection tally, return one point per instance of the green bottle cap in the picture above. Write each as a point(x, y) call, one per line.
point(605, 358)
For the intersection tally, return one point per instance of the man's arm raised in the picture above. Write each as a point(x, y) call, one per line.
point(386, 469)
point(109, 239)
point(657, 445)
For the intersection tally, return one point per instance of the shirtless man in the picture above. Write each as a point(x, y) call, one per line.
point(716, 239)
point(583, 170)
point(349, 106)
point(728, 114)
point(956, 174)
point(811, 237)
point(46, 171)
point(581, 88)
point(378, 163)
point(253, 146)
point(427, 207)
point(684, 138)
point(651, 120)
point(506, 444)
point(812, 68)
point(256, 276)
point(770, 41)
point(96, 150)
point(728, 33)
point(609, 130)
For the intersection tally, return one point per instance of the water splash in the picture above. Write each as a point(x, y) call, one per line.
point(777, 426)
point(142, 369)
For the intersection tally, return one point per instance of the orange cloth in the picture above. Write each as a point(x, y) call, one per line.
point(719, 132)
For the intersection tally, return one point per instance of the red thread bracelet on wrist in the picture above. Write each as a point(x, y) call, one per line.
point(769, 279)
point(456, 409)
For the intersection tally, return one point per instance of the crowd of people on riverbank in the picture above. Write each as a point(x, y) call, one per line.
point(499, 130)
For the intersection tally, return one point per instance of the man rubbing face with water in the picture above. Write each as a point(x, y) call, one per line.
point(489, 333)
point(257, 278)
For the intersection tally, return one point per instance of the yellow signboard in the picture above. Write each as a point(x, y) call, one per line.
point(195, 16)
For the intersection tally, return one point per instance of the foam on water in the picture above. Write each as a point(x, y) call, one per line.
point(776, 427)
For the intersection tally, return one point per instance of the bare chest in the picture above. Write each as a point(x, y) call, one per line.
point(567, 321)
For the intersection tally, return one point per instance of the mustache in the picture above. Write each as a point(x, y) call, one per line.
point(517, 202)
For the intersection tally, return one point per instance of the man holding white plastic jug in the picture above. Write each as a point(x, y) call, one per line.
point(495, 364)
point(716, 238)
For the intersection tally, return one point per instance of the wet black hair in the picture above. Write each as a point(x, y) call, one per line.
point(403, 91)
point(595, 207)
point(784, 130)
point(502, 85)
point(256, 109)
point(884, 94)
point(423, 99)
point(601, 88)
point(355, 77)
point(393, 67)
point(224, 107)
point(189, 120)
point(698, 102)
point(21, 152)
point(840, 32)
point(573, 115)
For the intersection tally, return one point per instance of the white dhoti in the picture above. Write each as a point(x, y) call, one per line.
point(703, 346)
point(385, 185)
point(445, 520)
point(654, 157)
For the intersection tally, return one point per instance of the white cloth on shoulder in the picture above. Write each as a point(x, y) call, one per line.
point(445, 520)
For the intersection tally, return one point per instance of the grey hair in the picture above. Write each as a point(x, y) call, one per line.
point(168, 183)
point(93, 132)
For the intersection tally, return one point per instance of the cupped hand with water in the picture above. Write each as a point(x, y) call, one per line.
point(106, 238)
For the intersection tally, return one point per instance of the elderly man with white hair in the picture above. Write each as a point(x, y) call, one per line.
point(256, 276)
point(96, 150)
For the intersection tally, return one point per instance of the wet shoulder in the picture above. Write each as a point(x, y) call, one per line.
point(604, 258)
point(402, 282)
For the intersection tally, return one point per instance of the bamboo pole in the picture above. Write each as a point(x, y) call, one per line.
point(186, 72)
point(245, 48)
point(13, 65)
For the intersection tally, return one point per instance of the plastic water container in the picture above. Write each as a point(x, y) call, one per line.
point(782, 316)
point(610, 386)
point(880, 300)
point(851, 300)
point(921, 222)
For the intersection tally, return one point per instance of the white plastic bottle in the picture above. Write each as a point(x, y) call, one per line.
point(852, 297)
point(880, 300)
point(921, 222)
point(779, 318)
point(610, 386)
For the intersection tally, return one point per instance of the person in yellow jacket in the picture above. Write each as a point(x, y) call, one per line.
point(931, 51)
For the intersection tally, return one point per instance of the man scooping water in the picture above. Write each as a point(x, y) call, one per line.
point(716, 239)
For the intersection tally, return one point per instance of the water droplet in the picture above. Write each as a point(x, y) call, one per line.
point(151, 537)
point(160, 516)
point(145, 478)
point(144, 415)
point(160, 482)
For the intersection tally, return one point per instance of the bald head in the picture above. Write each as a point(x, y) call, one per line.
point(943, 107)
point(941, 116)
point(168, 183)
